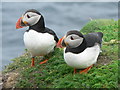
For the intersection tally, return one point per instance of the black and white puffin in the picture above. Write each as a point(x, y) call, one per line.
point(38, 39)
point(81, 51)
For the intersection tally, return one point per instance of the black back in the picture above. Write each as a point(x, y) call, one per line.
point(93, 38)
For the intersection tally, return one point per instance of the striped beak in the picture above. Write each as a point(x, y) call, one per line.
point(59, 44)
point(20, 23)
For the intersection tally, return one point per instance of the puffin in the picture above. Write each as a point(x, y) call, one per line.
point(38, 39)
point(81, 51)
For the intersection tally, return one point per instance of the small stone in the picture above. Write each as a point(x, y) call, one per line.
point(10, 79)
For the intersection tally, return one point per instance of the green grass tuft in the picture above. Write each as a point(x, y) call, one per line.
point(96, 24)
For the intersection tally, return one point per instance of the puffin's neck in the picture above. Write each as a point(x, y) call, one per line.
point(78, 49)
point(39, 26)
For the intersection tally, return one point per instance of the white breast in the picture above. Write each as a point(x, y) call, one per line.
point(39, 43)
point(84, 59)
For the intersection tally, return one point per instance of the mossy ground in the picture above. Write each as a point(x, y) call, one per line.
point(57, 74)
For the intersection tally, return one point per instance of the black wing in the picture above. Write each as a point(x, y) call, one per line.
point(52, 33)
point(93, 38)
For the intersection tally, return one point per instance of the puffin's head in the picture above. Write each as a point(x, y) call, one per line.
point(72, 39)
point(29, 18)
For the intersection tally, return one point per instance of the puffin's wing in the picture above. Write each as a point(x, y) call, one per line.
point(52, 33)
point(93, 38)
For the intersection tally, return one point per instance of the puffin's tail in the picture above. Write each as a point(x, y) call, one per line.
point(100, 34)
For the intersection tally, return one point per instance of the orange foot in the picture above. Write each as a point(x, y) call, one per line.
point(44, 61)
point(86, 70)
point(33, 61)
point(74, 70)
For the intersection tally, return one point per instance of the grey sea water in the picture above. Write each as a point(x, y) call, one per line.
point(59, 16)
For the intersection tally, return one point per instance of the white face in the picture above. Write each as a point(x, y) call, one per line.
point(31, 18)
point(73, 40)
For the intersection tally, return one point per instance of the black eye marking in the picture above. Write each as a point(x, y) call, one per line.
point(28, 16)
point(72, 38)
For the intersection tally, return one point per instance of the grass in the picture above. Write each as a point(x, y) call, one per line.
point(57, 74)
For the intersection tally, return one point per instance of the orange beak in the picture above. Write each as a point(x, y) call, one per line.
point(59, 44)
point(18, 24)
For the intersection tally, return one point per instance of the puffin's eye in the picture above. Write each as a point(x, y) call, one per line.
point(71, 38)
point(28, 16)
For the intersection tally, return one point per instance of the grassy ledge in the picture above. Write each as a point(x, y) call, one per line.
point(56, 74)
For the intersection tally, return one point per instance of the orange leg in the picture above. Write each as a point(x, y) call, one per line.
point(74, 70)
point(44, 61)
point(86, 70)
point(33, 63)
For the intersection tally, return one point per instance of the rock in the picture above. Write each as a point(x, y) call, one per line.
point(9, 79)
point(1, 81)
